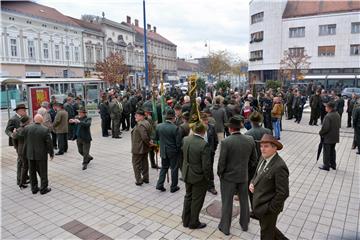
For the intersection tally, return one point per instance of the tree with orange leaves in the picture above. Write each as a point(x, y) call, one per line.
point(113, 69)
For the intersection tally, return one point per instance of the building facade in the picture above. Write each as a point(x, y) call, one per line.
point(38, 41)
point(327, 31)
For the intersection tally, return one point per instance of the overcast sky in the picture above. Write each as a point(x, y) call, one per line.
point(187, 23)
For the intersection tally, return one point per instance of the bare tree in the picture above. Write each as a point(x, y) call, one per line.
point(294, 65)
point(89, 18)
point(219, 64)
point(113, 69)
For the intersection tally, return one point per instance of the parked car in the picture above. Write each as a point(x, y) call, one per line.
point(347, 92)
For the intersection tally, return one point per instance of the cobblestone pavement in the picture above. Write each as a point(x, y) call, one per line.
point(103, 201)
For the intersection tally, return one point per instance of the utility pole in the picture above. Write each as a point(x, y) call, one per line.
point(145, 50)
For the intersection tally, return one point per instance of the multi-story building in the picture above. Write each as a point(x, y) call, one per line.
point(327, 31)
point(39, 41)
point(186, 68)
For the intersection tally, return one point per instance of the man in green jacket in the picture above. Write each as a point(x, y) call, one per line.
point(196, 174)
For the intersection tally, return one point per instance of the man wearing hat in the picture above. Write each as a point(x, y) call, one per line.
point(178, 114)
point(19, 137)
point(330, 132)
point(140, 147)
point(115, 115)
point(270, 186)
point(69, 108)
point(257, 132)
point(167, 134)
point(44, 112)
point(148, 117)
point(237, 153)
point(14, 123)
point(83, 135)
point(61, 128)
point(196, 173)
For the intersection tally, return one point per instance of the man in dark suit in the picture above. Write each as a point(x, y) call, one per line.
point(167, 134)
point(257, 132)
point(212, 139)
point(330, 132)
point(38, 145)
point(356, 125)
point(140, 146)
point(83, 136)
point(270, 186)
point(196, 172)
point(237, 153)
point(14, 123)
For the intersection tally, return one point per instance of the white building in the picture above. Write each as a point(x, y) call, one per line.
point(327, 31)
point(38, 41)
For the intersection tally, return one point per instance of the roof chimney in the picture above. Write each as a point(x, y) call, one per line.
point(136, 23)
point(149, 27)
point(154, 29)
point(128, 19)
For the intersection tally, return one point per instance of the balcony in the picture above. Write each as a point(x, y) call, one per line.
point(255, 59)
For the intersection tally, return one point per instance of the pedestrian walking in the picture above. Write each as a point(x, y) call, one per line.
point(38, 146)
point(276, 114)
point(330, 132)
point(83, 136)
point(237, 153)
point(270, 186)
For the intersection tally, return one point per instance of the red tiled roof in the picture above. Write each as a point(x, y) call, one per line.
point(86, 24)
point(37, 10)
point(300, 8)
point(151, 35)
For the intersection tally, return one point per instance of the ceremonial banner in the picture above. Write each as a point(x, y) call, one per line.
point(37, 96)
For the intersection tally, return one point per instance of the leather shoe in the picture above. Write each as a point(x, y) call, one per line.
point(334, 168)
point(161, 189)
point(35, 191)
point(324, 168)
point(45, 191)
point(227, 234)
point(146, 181)
point(84, 167)
point(177, 188)
point(138, 183)
point(90, 158)
point(200, 226)
point(213, 191)
point(22, 186)
point(59, 153)
point(252, 215)
point(357, 152)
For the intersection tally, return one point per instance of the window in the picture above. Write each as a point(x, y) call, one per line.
point(326, 51)
point(355, 49)
point(256, 55)
point(258, 17)
point(355, 27)
point(76, 49)
point(67, 53)
point(89, 53)
point(57, 52)
point(257, 37)
point(296, 52)
point(327, 29)
point(297, 32)
point(13, 47)
point(46, 50)
point(98, 54)
point(31, 49)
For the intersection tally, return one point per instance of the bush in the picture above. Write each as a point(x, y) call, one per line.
point(224, 84)
point(273, 84)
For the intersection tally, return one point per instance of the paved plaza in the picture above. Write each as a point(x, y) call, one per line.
point(103, 201)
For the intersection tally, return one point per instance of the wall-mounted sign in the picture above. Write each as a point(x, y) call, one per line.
point(32, 74)
point(37, 96)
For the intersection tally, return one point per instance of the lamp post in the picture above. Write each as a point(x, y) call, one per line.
point(145, 50)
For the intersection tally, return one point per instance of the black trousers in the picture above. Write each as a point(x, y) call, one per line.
point(268, 229)
point(152, 158)
point(211, 178)
point(314, 116)
point(132, 119)
point(23, 168)
point(329, 155)
point(349, 119)
point(289, 111)
point(167, 163)
point(38, 167)
point(322, 115)
point(54, 139)
point(84, 150)
point(71, 133)
point(62, 142)
point(104, 127)
point(193, 203)
point(125, 121)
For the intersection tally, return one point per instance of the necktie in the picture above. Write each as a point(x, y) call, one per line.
point(262, 166)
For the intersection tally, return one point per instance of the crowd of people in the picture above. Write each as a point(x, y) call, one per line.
point(249, 166)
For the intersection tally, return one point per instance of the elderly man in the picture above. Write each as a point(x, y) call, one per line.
point(61, 128)
point(44, 112)
point(186, 106)
point(83, 136)
point(219, 114)
point(270, 186)
point(167, 134)
point(38, 145)
point(140, 147)
point(116, 109)
point(237, 153)
point(14, 123)
point(330, 133)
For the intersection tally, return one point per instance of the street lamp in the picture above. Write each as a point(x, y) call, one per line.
point(207, 45)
